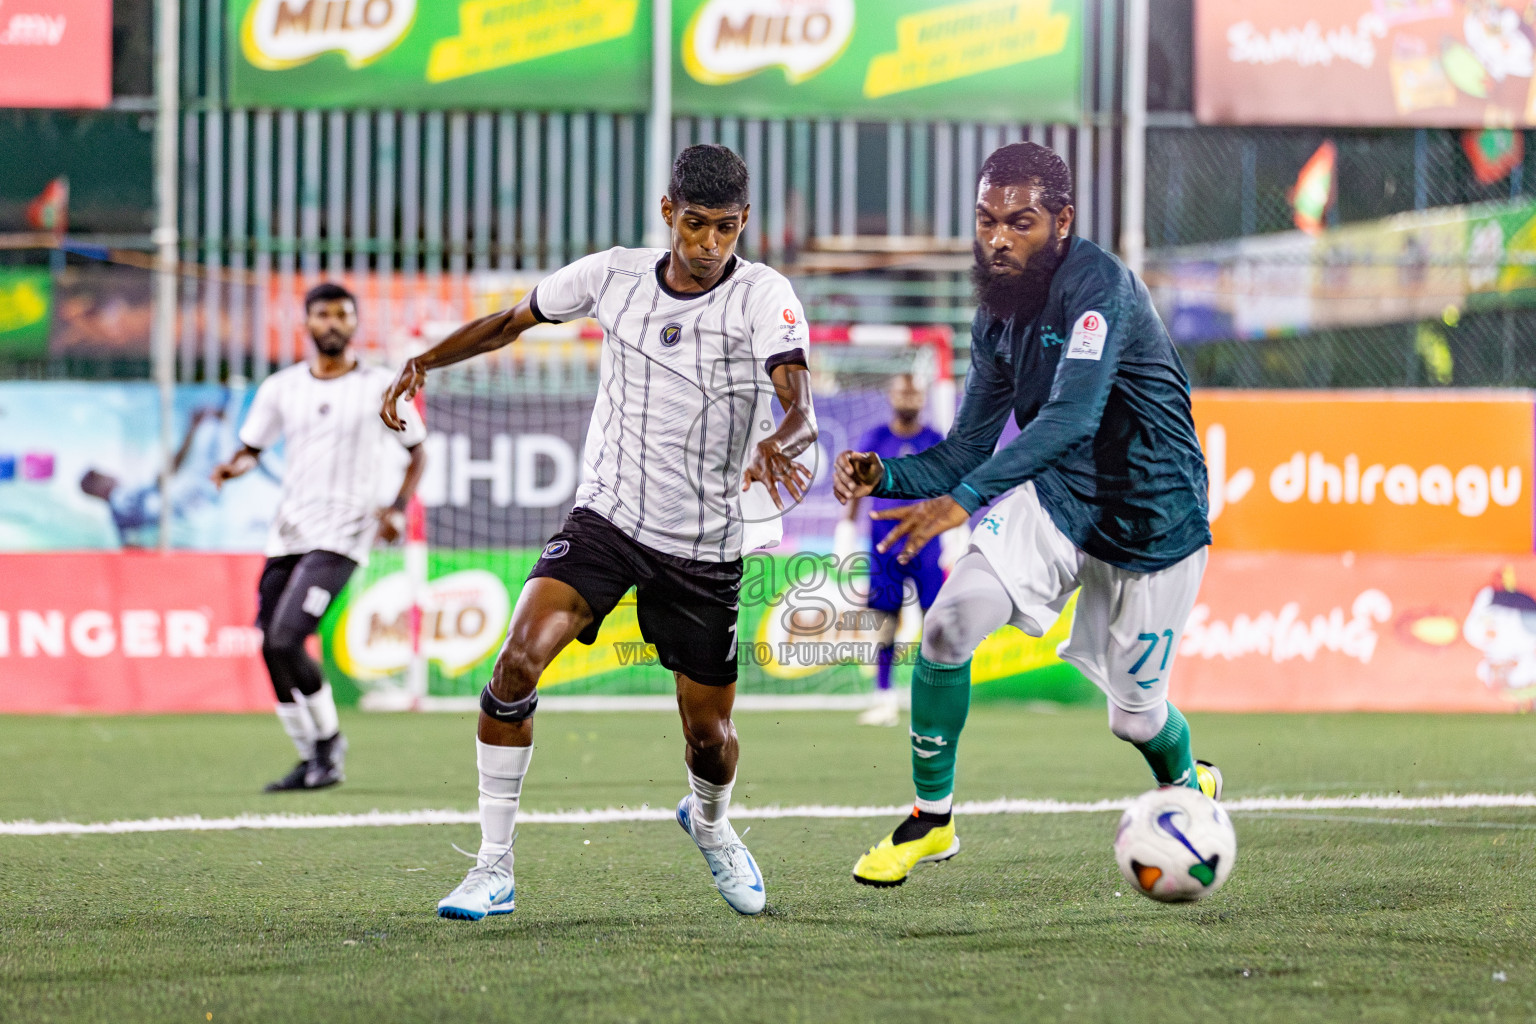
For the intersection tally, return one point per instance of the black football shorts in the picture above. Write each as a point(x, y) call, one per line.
point(686, 608)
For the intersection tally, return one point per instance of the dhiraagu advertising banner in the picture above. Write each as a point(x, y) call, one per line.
point(976, 60)
point(462, 54)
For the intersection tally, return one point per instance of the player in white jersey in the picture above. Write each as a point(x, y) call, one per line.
point(326, 412)
point(683, 463)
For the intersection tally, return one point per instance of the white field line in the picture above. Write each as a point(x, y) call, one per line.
point(611, 815)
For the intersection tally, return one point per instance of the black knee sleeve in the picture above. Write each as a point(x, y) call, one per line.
point(291, 667)
point(508, 711)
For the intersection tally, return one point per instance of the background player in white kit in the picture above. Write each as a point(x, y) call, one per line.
point(325, 411)
point(696, 341)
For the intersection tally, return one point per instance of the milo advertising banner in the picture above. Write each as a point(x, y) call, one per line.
point(545, 54)
point(804, 628)
point(977, 60)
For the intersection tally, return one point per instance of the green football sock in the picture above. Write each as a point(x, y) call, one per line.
point(1168, 753)
point(941, 697)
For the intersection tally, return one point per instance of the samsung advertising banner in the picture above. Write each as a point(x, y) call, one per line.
point(1371, 63)
point(973, 60)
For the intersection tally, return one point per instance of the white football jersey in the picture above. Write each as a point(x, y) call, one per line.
point(684, 392)
point(338, 454)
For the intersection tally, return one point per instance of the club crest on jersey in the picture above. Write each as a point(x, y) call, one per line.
point(671, 334)
point(556, 548)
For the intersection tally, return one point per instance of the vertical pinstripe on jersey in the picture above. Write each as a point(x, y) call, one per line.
point(333, 458)
point(658, 462)
point(645, 407)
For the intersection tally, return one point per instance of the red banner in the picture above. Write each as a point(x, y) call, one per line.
point(125, 633)
point(1293, 632)
point(56, 53)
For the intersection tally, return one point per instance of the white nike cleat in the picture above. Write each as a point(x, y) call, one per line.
point(484, 892)
point(736, 874)
point(883, 712)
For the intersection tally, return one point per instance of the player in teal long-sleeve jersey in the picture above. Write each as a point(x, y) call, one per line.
point(1102, 494)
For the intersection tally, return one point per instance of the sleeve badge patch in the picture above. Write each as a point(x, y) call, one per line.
point(1088, 335)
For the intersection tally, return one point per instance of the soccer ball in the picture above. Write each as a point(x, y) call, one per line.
point(1175, 845)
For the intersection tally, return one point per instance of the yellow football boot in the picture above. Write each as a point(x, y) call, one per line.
point(1209, 778)
point(889, 863)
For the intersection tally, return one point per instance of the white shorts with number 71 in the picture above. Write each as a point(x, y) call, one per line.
point(1127, 626)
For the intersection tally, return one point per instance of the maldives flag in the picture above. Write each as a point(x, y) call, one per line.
point(50, 211)
point(1313, 193)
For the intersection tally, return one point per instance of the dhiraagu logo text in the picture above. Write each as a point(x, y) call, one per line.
point(728, 40)
point(280, 34)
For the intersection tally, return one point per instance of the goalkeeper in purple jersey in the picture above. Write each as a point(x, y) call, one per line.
point(904, 435)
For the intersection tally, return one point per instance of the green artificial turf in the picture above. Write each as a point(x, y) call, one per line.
point(1344, 915)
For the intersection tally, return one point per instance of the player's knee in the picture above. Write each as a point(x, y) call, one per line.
point(948, 638)
point(279, 643)
point(707, 734)
point(1137, 726)
point(517, 672)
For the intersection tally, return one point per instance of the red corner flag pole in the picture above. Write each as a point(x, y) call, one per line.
point(416, 574)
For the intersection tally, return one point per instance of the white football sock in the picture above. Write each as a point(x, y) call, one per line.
point(322, 708)
point(936, 806)
point(299, 727)
point(501, 785)
point(714, 801)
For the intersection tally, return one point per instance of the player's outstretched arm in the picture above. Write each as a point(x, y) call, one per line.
point(475, 338)
point(392, 516)
point(239, 464)
point(773, 463)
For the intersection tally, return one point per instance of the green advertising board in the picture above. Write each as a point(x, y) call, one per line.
point(25, 299)
point(979, 60)
point(441, 54)
point(998, 60)
point(365, 636)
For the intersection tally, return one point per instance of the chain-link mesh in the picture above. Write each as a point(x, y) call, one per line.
point(1212, 186)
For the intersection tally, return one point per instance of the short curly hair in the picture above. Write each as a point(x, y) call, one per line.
point(1027, 163)
point(710, 176)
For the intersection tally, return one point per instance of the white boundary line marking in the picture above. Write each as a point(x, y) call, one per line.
point(611, 815)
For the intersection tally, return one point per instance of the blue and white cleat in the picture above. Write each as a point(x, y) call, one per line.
point(736, 874)
point(484, 892)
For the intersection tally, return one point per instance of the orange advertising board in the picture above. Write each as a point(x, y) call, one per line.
point(1399, 472)
point(1292, 632)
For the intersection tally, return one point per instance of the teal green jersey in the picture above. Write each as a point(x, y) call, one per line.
point(1103, 404)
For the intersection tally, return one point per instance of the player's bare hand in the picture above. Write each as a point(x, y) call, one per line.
point(920, 523)
point(855, 475)
point(771, 467)
point(411, 379)
point(391, 524)
point(242, 463)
